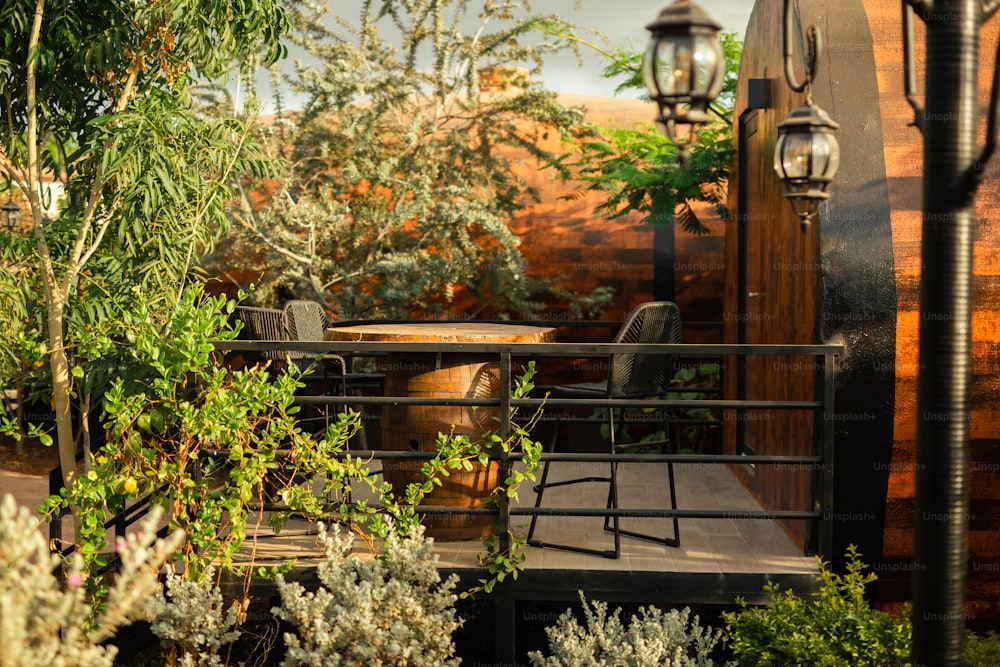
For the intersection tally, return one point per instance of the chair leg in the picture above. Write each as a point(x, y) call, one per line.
point(674, 541)
point(544, 484)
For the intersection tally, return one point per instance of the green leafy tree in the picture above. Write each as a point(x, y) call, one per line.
point(400, 181)
point(94, 96)
point(637, 168)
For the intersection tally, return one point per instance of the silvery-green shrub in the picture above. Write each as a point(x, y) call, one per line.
point(191, 618)
point(653, 638)
point(374, 611)
point(47, 620)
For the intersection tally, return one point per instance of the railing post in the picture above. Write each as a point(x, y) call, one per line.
point(506, 384)
point(826, 523)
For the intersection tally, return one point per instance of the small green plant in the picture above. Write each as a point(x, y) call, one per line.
point(982, 650)
point(837, 627)
point(391, 610)
point(693, 436)
point(704, 376)
point(651, 639)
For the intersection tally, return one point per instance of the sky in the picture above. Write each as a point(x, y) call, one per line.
point(621, 22)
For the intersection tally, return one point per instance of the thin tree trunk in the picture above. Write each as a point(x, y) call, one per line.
point(61, 392)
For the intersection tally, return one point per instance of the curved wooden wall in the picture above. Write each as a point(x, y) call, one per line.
point(903, 149)
point(862, 273)
point(833, 282)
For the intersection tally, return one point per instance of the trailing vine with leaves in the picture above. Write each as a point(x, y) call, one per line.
point(503, 555)
point(210, 442)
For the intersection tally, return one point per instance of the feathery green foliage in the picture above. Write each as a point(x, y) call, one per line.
point(402, 172)
point(637, 168)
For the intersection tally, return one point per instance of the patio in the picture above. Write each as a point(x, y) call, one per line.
point(718, 561)
point(732, 545)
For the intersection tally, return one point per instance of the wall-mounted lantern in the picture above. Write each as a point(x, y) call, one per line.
point(684, 69)
point(11, 215)
point(806, 158)
point(806, 155)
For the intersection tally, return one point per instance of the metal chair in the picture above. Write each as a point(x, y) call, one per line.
point(261, 324)
point(306, 321)
point(630, 375)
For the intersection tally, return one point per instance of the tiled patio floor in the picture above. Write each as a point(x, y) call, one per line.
point(709, 547)
point(728, 545)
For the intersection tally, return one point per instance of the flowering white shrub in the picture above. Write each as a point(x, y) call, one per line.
point(45, 622)
point(190, 617)
point(652, 639)
point(394, 610)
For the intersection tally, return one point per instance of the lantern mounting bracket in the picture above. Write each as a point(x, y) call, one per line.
point(813, 45)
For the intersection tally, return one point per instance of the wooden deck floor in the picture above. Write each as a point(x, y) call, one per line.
point(716, 560)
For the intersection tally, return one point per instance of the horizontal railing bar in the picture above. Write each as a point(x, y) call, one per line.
point(667, 514)
point(569, 349)
point(680, 458)
point(575, 457)
point(626, 513)
point(561, 402)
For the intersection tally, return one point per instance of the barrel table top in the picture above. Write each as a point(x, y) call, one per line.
point(443, 332)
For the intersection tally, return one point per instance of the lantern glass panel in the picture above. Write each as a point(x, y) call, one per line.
point(820, 155)
point(793, 156)
point(832, 149)
point(673, 67)
point(708, 58)
point(648, 70)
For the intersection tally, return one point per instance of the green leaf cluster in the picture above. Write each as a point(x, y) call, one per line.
point(837, 627)
point(638, 170)
point(95, 102)
point(202, 439)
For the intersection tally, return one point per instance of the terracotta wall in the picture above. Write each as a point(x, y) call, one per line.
point(903, 150)
point(564, 238)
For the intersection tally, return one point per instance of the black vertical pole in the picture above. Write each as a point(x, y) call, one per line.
point(664, 258)
point(942, 498)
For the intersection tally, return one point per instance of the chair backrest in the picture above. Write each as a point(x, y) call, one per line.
point(262, 324)
point(640, 375)
point(305, 320)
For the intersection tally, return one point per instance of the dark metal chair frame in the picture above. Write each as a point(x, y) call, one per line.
point(630, 375)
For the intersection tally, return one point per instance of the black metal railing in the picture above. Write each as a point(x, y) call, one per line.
point(821, 440)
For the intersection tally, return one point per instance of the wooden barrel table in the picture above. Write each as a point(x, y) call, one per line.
point(416, 427)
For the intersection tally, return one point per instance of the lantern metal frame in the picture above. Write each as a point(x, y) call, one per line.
point(684, 20)
point(805, 192)
point(11, 215)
